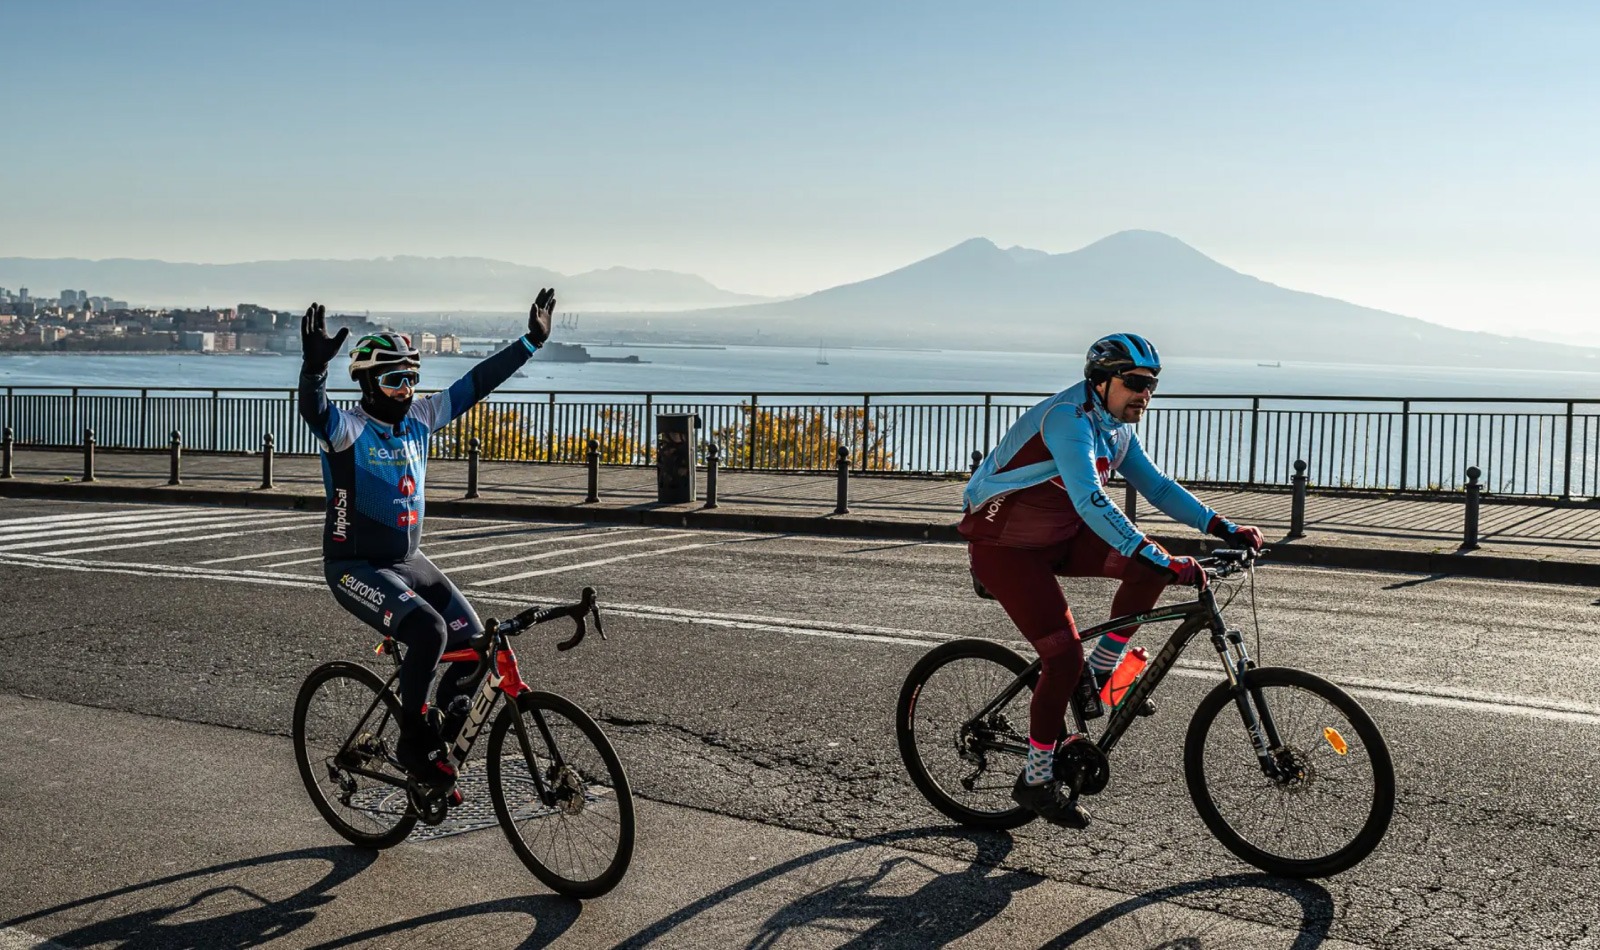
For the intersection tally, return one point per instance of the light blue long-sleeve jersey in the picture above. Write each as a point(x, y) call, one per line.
point(1084, 444)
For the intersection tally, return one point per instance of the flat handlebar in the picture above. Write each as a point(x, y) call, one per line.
point(1224, 562)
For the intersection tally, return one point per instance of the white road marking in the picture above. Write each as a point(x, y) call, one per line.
point(90, 515)
point(193, 539)
point(164, 519)
point(524, 558)
point(545, 539)
point(1405, 693)
point(610, 560)
point(432, 539)
point(187, 529)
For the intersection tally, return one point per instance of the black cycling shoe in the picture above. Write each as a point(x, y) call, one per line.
point(1051, 801)
point(423, 755)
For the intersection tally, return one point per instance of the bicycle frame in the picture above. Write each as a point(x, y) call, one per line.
point(1194, 616)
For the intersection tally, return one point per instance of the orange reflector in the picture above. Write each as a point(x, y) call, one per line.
point(1334, 739)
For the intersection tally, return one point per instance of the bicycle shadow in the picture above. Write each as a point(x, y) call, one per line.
point(855, 895)
point(255, 901)
point(1155, 919)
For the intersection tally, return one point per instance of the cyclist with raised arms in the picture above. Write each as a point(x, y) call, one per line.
point(374, 463)
point(1025, 510)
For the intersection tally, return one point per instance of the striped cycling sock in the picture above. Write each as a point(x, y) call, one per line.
point(1106, 654)
point(1041, 766)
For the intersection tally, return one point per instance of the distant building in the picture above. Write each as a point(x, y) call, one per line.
point(199, 341)
point(450, 343)
point(427, 342)
point(50, 334)
point(224, 342)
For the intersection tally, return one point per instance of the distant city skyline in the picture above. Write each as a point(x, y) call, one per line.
point(1433, 160)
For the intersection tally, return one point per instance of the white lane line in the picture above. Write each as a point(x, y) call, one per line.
point(545, 539)
point(432, 539)
point(87, 515)
point(155, 532)
point(12, 938)
point(524, 558)
point(165, 519)
point(1406, 693)
point(192, 539)
point(610, 560)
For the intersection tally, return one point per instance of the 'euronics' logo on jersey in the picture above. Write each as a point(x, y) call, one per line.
point(403, 454)
point(371, 596)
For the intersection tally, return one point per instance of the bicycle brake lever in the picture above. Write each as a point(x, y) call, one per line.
point(595, 612)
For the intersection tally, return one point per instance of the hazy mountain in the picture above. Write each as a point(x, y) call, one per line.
point(977, 295)
point(388, 283)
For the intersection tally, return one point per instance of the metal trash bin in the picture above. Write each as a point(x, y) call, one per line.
point(677, 435)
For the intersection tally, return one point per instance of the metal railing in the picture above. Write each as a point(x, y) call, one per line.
point(1524, 447)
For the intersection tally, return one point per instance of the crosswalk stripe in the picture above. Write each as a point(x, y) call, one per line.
point(186, 529)
point(85, 516)
point(187, 516)
point(523, 544)
point(565, 551)
point(610, 560)
point(181, 539)
point(507, 527)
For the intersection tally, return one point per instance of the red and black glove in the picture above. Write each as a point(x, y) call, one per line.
point(1236, 536)
point(1183, 570)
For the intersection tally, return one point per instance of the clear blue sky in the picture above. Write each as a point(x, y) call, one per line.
point(1438, 159)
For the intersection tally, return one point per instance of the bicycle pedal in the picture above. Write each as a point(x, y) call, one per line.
point(455, 797)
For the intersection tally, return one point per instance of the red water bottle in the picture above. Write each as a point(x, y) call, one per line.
point(1122, 677)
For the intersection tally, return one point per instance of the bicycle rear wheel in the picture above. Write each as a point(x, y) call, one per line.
point(966, 768)
point(1331, 795)
point(562, 798)
point(346, 724)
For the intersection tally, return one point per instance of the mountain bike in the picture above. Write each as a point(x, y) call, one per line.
point(558, 788)
point(1305, 789)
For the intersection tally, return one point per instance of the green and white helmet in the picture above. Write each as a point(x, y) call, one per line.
point(379, 353)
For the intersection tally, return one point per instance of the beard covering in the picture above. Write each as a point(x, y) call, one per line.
point(381, 406)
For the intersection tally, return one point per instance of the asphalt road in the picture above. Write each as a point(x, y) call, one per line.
point(749, 685)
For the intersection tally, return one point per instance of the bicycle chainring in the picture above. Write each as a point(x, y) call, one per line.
point(1083, 767)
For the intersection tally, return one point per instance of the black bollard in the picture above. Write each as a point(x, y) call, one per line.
point(177, 454)
point(6, 447)
point(474, 449)
point(1469, 539)
point(88, 455)
point(713, 459)
point(977, 459)
point(842, 499)
point(594, 472)
point(1130, 503)
point(1297, 507)
point(266, 460)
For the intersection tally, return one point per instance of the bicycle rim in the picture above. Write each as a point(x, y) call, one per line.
point(966, 770)
point(1331, 802)
point(573, 826)
point(338, 730)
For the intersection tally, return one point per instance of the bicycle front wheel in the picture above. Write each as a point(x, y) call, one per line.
point(561, 795)
point(965, 765)
point(346, 724)
point(1323, 802)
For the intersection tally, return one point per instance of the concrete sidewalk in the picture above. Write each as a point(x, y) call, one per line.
point(1523, 542)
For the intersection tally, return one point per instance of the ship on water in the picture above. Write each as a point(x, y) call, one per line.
point(577, 353)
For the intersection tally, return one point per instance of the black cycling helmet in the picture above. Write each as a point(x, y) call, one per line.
point(1118, 353)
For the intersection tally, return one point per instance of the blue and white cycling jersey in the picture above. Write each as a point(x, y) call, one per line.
point(1071, 441)
point(374, 473)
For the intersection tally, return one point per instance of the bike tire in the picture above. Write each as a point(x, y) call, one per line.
point(590, 764)
point(993, 665)
point(1370, 746)
point(389, 802)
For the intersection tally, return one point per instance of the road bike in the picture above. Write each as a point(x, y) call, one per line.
point(1305, 789)
point(558, 788)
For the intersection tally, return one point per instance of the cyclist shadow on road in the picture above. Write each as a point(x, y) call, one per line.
point(1157, 919)
point(854, 894)
point(256, 901)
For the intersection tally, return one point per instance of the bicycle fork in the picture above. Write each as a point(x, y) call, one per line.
point(1258, 722)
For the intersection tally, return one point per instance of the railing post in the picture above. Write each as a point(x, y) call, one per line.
point(473, 449)
point(266, 460)
point(977, 459)
point(176, 446)
point(550, 432)
point(866, 414)
point(841, 504)
point(1255, 429)
point(144, 416)
point(6, 448)
point(713, 457)
point(988, 420)
point(752, 430)
point(649, 428)
point(88, 455)
point(1566, 478)
point(594, 472)
point(1130, 503)
point(1297, 506)
point(216, 420)
point(1405, 439)
point(1469, 538)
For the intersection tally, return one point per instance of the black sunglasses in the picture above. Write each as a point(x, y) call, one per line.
point(1138, 382)
point(400, 377)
